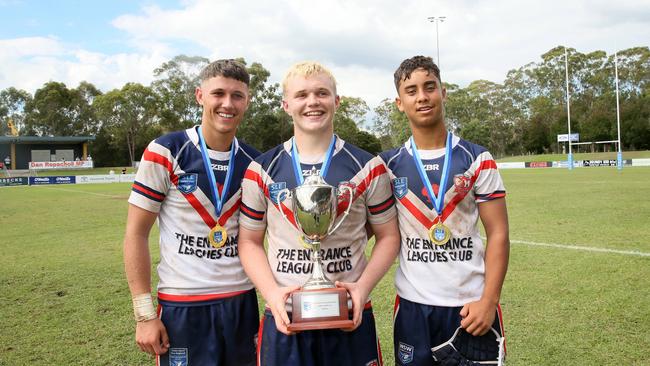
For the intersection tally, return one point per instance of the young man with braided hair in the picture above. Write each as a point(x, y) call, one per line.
point(190, 181)
point(447, 276)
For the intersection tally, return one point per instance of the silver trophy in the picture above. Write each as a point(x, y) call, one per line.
point(314, 205)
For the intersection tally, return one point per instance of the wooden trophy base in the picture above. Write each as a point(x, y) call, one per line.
point(320, 309)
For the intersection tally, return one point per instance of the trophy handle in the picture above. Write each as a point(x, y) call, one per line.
point(278, 203)
point(347, 210)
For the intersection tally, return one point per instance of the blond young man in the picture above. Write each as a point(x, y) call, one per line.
point(447, 276)
point(190, 182)
point(310, 99)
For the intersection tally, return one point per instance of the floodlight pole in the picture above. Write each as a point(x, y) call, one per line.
point(568, 108)
point(437, 20)
point(619, 154)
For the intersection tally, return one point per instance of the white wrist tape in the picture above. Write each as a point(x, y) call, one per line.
point(143, 308)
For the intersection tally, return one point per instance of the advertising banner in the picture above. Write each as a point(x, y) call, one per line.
point(539, 164)
point(99, 178)
point(17, 181)
point(68, 179)
point(43, 165)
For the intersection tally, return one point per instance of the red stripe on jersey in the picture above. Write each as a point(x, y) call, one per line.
point(419, 215)
point(381, 207)
point(451, 206)
point(361, 187)
point(503, 331)
point(148, 192)
point(227, 214)
point(396, 307)
point(194, 298)
point(190, 197)
point(251, 213)
point(255, 177)
point(201, 210)
point(158, 159)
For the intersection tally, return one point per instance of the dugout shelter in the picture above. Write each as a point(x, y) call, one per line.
point(25, 149)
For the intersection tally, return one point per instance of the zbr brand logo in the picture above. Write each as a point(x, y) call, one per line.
point(405, 353)
point(187, 182)
point(178, 357)
point(274, 191)
point(400, 187)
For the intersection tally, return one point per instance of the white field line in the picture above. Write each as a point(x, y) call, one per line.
point(76, 191)
point(586, 249)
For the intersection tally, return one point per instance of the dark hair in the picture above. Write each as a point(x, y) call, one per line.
point(232, 69)
point(409, 65)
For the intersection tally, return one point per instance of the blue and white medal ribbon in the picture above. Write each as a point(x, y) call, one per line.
point(438, 233)
point(218, 234)
point(300, 179)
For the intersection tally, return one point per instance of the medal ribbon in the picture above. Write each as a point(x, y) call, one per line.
point(218, 199)
point(296, 160)
point(438, 201)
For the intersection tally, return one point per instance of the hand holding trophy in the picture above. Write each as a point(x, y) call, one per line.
point(319, 304)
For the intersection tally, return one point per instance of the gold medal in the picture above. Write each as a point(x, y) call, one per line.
point(301, 240)
point(218, 236)
point(439, 234)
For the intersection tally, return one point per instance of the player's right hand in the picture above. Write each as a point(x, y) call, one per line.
point(151, 337)
point(277, 302)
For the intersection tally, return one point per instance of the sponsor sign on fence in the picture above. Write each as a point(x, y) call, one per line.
point(42, 165)
point(16, 181)
point(105, 178)
point(539, 164)
point(611, 162)
point(68, 179)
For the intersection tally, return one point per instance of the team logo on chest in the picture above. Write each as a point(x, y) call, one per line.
point(462, 183)
point(187, 183)
point(400, 186)
point(274, 191)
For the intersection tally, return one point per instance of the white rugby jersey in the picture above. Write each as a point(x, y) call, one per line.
point(343, 252)
point(453, 274)
point(172, 182)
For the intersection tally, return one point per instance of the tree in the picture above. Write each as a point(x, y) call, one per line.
point(175, 86)
point(265, 124)
point(56, 110)
point(129, 117)
point(12, 108)
point(391, 125)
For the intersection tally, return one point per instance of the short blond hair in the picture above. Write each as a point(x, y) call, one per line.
point(306, 69)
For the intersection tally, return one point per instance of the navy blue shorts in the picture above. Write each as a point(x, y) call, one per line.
point(320, 347)
point(419, 327)
point(215, 332)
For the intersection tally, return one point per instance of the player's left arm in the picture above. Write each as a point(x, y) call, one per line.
point(384, 252)
point(478, 316)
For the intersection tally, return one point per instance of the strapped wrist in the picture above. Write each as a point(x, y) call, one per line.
point(143, 308)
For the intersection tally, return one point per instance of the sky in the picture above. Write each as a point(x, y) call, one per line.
point(110, 43)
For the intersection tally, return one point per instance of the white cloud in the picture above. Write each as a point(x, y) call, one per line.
point(28, 63)
point(361, 41)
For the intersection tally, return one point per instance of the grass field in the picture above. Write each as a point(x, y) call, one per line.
point(64, 298)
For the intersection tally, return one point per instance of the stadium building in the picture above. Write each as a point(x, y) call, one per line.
point(21, 150)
